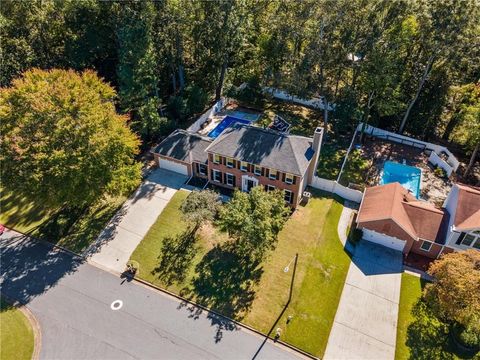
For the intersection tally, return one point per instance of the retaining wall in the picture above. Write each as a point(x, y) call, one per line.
point(316, 103)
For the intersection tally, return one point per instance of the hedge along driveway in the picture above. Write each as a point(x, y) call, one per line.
point(202, 270)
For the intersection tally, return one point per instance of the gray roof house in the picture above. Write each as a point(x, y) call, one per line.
point(243, 156)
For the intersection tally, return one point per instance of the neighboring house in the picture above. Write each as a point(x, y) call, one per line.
point(463, 205)
point(244, 156)
point(389, 215)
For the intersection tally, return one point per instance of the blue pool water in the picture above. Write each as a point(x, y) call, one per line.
point(226, 122)
point(408, 176)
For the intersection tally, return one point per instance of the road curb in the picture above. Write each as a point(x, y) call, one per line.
point(240, 324)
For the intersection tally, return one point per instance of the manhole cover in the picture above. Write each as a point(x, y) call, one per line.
point(116, 305)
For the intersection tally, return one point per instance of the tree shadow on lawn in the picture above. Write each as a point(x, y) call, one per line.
point(428, 337)
point(225, 282)
point(177, 254)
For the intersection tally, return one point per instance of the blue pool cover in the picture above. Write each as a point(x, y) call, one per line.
point(226, 122)
point(408, 176)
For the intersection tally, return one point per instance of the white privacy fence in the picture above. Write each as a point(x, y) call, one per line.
point(438, 161)
point(316, 103)
point(449, 165)
point(334, 187)
point(218, 106)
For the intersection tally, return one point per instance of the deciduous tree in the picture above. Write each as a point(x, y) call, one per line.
point(199, 207)
point(455, 293)
point(63, 143)
point(254, 219)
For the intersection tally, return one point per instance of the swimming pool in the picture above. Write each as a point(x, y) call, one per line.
point(226, 122)
point(408, 176)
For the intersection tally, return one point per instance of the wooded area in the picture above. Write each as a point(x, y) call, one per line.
point(407, 66)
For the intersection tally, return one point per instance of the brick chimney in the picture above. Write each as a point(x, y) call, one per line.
point(316, 146)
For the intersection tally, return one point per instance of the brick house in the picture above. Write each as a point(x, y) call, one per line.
point(244, 156)
point(389, 215)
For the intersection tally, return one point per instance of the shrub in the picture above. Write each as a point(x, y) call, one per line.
point(438, 171)
point(196, 99)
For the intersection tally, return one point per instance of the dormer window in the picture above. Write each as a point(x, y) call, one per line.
point(216, 159)
point(273, 174)
point(257, 170)
point(230, 162)
point(243, 166)
point(289, 178)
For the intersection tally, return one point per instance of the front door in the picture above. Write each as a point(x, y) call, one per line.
point(248, 182)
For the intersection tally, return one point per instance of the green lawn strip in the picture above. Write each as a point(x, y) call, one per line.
point(315, 303)
point(410, 292)
point(148, 252)
point(16, 334)
point(321, 271)
point(73, 230)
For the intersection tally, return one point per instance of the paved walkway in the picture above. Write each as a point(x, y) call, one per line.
point(128, 227)
point(349, 208)
point(365, 325)
point(75, 305)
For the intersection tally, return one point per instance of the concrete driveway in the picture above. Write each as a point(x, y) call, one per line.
point(87, 313)
point(365, 325)
point(127, 228)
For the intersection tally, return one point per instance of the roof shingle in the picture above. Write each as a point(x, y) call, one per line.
point(264, 147)
point(184, 146)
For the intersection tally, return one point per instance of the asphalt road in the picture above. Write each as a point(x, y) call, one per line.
point(73, 300)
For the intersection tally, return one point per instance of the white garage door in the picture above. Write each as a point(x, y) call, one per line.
point(381, 239)
point(174, 166)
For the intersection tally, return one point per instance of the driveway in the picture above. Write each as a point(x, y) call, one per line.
point(127, 228)
point(73, 302)
point(365, 325)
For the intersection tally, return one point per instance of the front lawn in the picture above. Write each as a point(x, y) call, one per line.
point(410, 293)
point(205, 269)
point(74, 230)
point(16, 334)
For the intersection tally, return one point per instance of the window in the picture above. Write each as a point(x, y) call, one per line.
point(243, 166)
point(426, 245)
point(216, 159)
point(270, 187)
point(472, 239)
point(217, 176)
point(289, 178)
point(230, 180)
point(230, 162)
point(468, 239)
point(202, 169)
point(257, 170)
point(273, 174)
point(288, 196)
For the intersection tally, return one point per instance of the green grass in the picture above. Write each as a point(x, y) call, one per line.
point(205, 269)
point(16, 334)
point(356, 169)
point(410, 293)
point(74, 230)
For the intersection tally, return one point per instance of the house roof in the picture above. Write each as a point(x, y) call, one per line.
point(264, 147)
point(467, 214)
point(392, 201)
point(184, 146)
